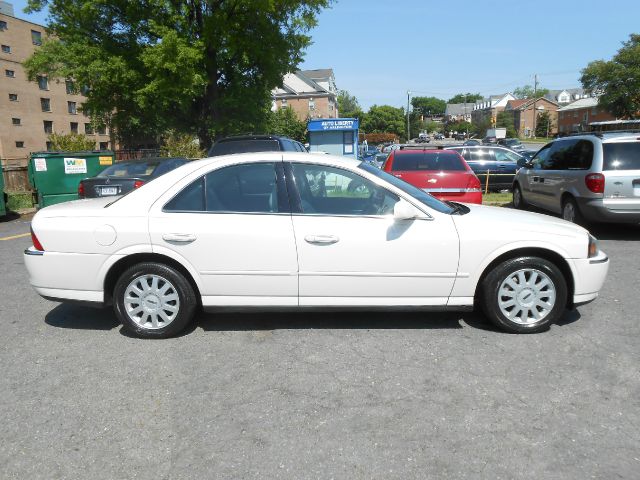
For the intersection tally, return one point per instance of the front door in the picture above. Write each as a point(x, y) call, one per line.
point(352, 252)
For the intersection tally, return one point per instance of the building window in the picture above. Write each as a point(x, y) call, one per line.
point(43, 82)
point(104, 145)
point(3, 25)
point(74, 127)
point(36, 37)
point(48, 126)
point(312, 104)
point(71, 107)
point(594, 111)
point(15, 121)
point(10, 73)
point(88, 129)
point(45, 103)
point(71, 87)
point(13, 97)
point(102, 130)
point(6, 49)
point(19, 144)
point(49, 146)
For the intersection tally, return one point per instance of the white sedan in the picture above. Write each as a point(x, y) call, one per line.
point(281, 230)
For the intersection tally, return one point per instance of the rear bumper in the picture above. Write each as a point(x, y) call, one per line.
point(464, 197)
point(589, 277)
point(610, 211)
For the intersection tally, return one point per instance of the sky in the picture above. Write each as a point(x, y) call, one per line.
point(379, 50)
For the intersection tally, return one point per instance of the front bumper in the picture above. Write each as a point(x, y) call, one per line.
point(589, 277)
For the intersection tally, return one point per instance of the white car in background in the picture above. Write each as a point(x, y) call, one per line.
point(282, 230)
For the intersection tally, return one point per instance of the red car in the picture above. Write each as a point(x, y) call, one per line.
point(442, 173)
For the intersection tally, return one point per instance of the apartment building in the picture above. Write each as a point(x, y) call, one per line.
point(310, 93)
point(31, 110)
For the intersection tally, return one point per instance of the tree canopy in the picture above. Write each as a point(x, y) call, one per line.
point(348, 106)
point(195, 66)
point(384, 119)
point(617, 81)
point(462, 98)
point(284, 121)
point(526, 91)
point(429, 105)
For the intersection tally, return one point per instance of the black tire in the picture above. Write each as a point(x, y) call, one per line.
point(571, 212)
point(491, 295)
point(518, 200)
point(184, 307)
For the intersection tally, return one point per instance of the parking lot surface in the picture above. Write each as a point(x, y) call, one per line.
point(321, 395)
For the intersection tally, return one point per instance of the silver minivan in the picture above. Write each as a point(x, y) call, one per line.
point(587, 177)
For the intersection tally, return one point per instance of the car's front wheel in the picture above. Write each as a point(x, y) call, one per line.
point(524, 295)
point(154, 300)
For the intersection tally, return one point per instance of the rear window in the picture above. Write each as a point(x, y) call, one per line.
point(427, 161)
point(621, 156)
point(244, 146)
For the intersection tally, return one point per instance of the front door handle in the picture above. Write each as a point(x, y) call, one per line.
point(321, 239)
point(179, 237)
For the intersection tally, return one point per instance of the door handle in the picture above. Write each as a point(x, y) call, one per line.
point(179, 237)
point(321, 239)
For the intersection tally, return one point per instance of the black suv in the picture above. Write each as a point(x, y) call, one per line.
point(255, 143)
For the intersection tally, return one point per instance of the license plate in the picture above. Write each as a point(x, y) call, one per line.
point(104, 191)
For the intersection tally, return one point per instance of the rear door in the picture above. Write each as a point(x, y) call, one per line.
point(621, 168)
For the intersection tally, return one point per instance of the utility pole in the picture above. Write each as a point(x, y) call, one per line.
point(408, 130)
point(535, 98)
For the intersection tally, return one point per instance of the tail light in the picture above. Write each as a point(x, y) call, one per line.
point(473, 184)
point(81, 190)
point(138, 184)
point(595, 182)
point(36, 242)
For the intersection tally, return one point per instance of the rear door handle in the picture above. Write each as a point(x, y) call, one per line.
point(179, 237)
point(321, 239)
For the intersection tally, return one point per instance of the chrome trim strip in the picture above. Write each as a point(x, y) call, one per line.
point(263, 273)
point(36, 253)
point(379, 274)
point(450, 190)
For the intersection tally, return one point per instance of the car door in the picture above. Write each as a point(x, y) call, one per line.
point(529, 177)
point(552, 179)
point(482, 162)
point(232, 226)
point(352, 252)
point(506, 166)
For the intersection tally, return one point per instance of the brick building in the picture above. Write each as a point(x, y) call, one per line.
point(523, 114)
point(487, 109)
point(33, 110)
point(310, 93)
point(577, 116)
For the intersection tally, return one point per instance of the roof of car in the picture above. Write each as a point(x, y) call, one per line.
point(605, 136)
point(251, 137)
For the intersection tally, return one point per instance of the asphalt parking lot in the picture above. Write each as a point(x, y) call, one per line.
point(322, 395)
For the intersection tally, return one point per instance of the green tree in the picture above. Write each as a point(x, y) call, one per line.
point(348, 106)
point(543, 125)
point(71, 142)
point(526, 91)
point(176, 144)
point(462, 98)
point(460, 126)
point(617, 81)
point(196, 66)
point(285, 122)
point(429, 105)
point(506, 120)
point(385, 119)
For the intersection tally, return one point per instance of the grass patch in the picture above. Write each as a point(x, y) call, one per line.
point(19, 200)
point(496, 198)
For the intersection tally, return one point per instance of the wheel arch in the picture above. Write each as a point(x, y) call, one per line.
point(550, 255)
point(122, 264)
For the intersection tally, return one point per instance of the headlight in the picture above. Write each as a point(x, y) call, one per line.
point(593, 246)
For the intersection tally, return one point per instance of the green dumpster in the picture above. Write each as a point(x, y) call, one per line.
point(55, 176)
point(3, 196)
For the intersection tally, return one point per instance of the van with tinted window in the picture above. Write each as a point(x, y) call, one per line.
point(585, 178)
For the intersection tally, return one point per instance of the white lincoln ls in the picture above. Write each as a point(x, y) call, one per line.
point(290, 230)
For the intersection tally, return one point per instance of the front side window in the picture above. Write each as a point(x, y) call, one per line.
point(506, 156)
point(560, 154)
point(246, 188)
point(328, 190)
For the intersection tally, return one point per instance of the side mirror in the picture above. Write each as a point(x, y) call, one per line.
point(403, 210)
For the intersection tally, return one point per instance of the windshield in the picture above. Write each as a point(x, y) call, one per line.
point(415, 192)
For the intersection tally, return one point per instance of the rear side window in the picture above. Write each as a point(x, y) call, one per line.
point(621, 156)
point(244, 146)
point(428, 161)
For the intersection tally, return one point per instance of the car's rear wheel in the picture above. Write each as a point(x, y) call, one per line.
point(154, 300)
point(571, 212)
point(518, 199)
point(524, 295)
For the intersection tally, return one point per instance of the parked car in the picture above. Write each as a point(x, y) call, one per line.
point(489, 141)
point(528, 154)
point(499, 163)
point(391, 148)
point(512, 143)
point(287, 230)
point(123, 177)
point(438, 136)
point(255, 143)
point(590, 177)
point(459, 136)
point(442, 173)
point(423, 139)
point(471, 143)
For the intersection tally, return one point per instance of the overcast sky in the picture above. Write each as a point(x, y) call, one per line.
point(380, 49)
